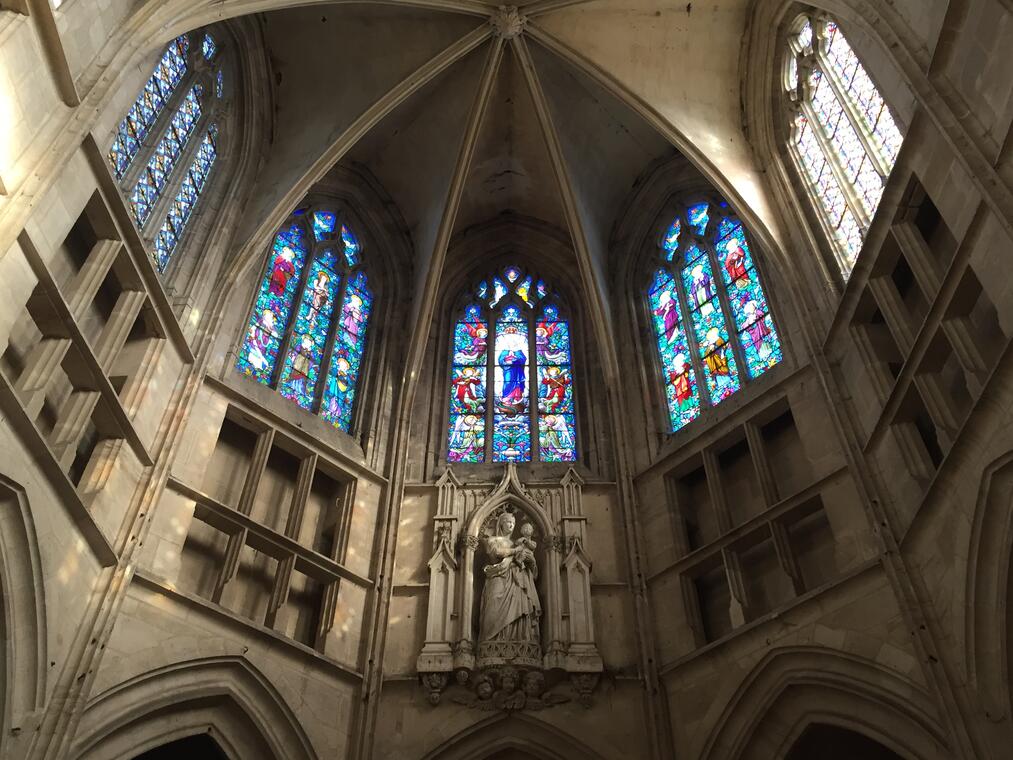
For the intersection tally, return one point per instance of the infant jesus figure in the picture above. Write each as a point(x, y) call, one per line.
point(529, 543)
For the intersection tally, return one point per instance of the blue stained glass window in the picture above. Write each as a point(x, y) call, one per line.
point(505, 405)
point(671, 242)
point(152, 180)
point(751, 314)
point(691, 318)
point(149, 104)
point(349, 347)
point(219, 83)
point(698, 217)
point(467, 388)
point(317, 320)
point(208, 47)
point(323, 224)
point(186, 198)
point(351, 244)
point(556, 435)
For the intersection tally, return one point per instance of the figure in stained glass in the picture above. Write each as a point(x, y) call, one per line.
point(300, 312)
point(555, 438)
point(555, 382)
point(702, 289)
point(735, 260)
point(724, 246)
point(668, 310)
point(282, 271)
point(517, 377)
point(260, 350)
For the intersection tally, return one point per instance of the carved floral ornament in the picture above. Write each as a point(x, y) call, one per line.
point(510, 609)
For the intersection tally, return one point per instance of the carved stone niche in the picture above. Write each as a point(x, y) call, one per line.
point(523, 553)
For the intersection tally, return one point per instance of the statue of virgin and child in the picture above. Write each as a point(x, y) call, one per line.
point(510, 610)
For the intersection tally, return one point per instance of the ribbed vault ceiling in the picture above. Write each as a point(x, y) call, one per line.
point(393, 87)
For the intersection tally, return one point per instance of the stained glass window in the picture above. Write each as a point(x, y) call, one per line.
point(711, 319)
point(149, 104)
point(219, 83)
point(168, 236)
point(149, 185)
point(208, 47)
point(315, 319)
point(515, 402)
point(844, 136)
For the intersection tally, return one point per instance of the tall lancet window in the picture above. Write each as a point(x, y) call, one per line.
point(844, 137)
point(166, 147)
point(511, 378)
point(711, 318)
point(306, 335)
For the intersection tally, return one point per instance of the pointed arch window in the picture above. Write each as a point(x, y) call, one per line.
point(710, 315)
point(844, 137)
point(306, 336)
point(504, 406)
point(167, 145)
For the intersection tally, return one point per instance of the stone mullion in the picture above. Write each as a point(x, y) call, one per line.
point(761, 465)
point(533, 413)
point(72, 420)
point(236, 541)
point(329, 598)
point(895, 312)
point(786, 556)
point(39, 372)
point(139, 163)
point(117, 329)
point(830, 154)
point(293, 523)
point(133, 390)
point(175, 179)
point(729, 557)
point(957, 329)
point(89, 279)
point(852, 114)
point(490, 383)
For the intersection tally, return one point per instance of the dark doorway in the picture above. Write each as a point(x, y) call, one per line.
point(199, 747)
point(823, 742)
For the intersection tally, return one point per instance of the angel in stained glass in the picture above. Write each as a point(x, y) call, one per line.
point(556, 381)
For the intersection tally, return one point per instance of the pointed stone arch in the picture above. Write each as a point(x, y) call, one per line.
point(518, 732)
point(988, 588)
point(225, 697)
point(22, 606)
point(793, 688)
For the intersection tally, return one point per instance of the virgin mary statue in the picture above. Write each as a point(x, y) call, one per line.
point(510, 609)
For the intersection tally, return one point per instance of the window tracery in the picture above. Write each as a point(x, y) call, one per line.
point(844, 137)
point(713, 333)
point(503, 406)
point(312, 310)
point(180, 106)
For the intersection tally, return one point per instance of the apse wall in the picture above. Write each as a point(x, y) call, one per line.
point(183, 551)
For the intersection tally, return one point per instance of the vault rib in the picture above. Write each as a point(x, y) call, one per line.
point(347, 140)
point(401, 429)
point(598, 311)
